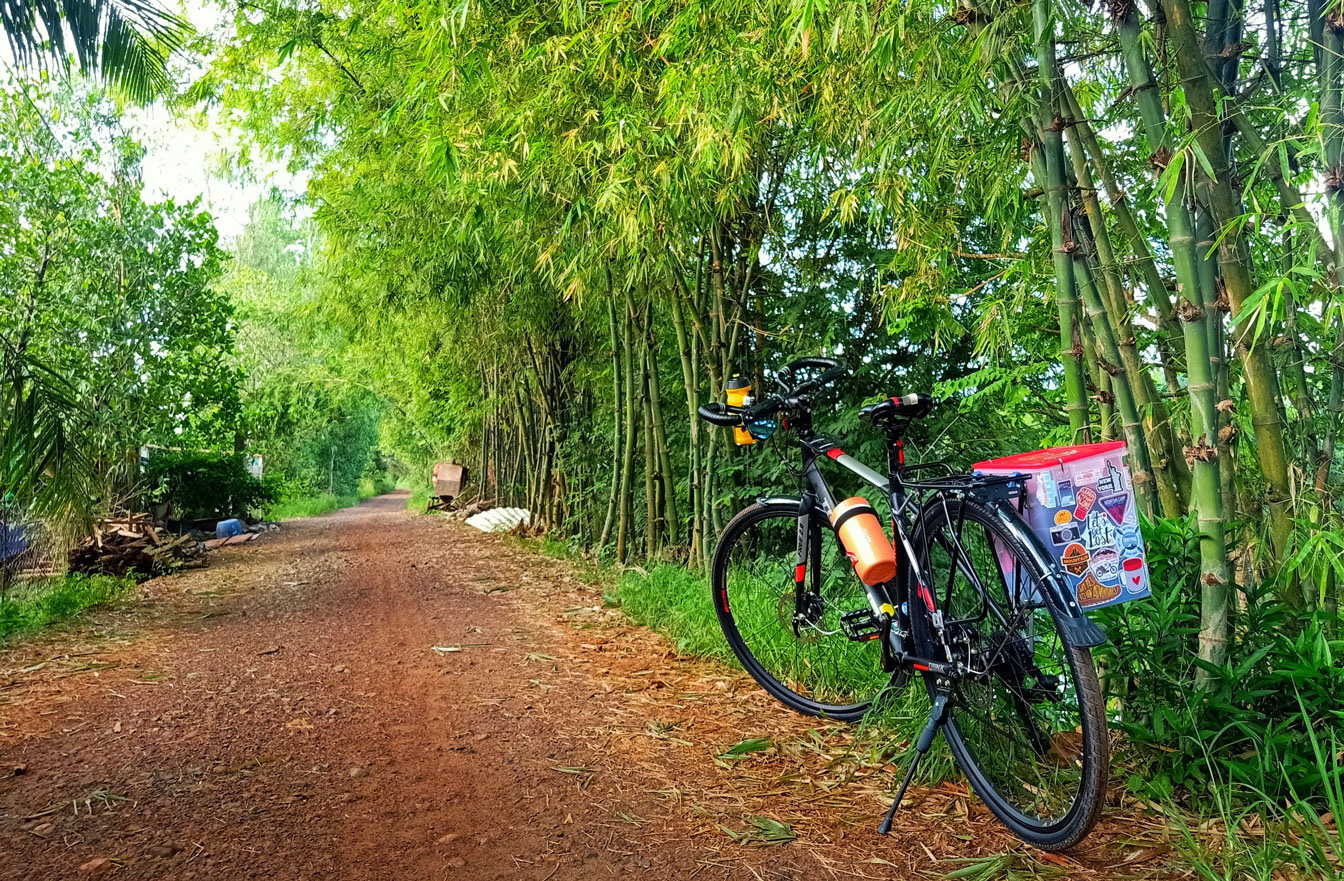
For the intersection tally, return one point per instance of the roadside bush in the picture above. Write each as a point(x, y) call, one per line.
point(1248, 731)
point(289, 507)
point(375, 485)
point(205, 485)
point(675, 602)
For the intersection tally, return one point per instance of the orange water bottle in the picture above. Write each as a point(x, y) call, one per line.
point(873, 556)
point(739, 395)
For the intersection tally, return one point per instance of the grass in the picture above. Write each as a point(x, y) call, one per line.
point(1220, 835)
point(419, 498)
point(675, 602)
point(309, 506)
point(325, 503)
point(30, 607)
point(1245, 835)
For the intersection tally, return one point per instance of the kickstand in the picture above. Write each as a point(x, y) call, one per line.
point(937, 716)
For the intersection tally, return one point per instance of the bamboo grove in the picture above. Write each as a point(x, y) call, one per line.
point(554, 229)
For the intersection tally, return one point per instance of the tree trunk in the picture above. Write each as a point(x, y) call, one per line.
point(615, 419)
point(1108, 359)
point(668, 484)
point(1331, 62)
point(624, 526)
point(1144, 434)
point(650, 457)
point(1057, 215)
point(1258, 374)
point(691, 384)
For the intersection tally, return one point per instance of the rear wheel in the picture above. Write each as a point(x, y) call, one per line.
point(794, 646)
point(1027, 727)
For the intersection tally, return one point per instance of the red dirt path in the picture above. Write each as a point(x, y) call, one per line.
point(284, 715)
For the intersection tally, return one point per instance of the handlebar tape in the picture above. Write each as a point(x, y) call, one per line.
point(813, 361)
point(719, 414)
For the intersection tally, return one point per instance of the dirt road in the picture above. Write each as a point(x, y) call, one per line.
point(376, 695)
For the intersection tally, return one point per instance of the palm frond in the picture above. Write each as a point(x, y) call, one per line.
point(127, 42)
point(42, 463)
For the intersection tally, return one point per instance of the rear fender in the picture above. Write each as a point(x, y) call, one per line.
point(1072, 619)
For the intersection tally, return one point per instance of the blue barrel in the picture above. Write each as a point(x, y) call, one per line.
point(12, 541)
point(228, 528)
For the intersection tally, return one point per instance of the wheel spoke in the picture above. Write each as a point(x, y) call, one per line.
point(794, 641)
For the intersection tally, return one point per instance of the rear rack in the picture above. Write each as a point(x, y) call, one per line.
point(992, 486)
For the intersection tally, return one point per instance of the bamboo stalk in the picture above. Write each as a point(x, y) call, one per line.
point(1108, 360)
point(1100, 382)
point(668, 495)
point(1169, 341)
point(1258, 373)
point(615, 416)
point(1056, 203)
point(690, 384)
point(625, 526)
point(1332, 113)
point(1273, 60)
point(1136, 398)
point(1201, 454)
point(650, 457)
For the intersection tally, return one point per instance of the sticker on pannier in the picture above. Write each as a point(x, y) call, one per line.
point(1080, 501)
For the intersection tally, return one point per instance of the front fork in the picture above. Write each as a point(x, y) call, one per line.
point(890, 608)
point(809, 547)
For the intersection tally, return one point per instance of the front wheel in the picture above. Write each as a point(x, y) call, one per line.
point(792, 644)
point(1027, 725)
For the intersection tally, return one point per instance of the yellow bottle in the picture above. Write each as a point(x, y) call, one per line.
point(739, 395)
point(873, 556)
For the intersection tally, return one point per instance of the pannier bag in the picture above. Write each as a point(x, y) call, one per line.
point(1080, 501)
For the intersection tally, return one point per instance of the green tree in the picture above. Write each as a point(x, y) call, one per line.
point(111, 334)
point(306, 404)
point(555, 228)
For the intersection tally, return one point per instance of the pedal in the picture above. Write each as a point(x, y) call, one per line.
point(861, 625)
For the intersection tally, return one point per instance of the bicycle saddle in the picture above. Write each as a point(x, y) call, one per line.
point(906, 407)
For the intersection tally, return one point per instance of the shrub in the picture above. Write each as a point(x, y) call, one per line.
point(204, 486)
point(677, 603)
point(34, 606)
point(1248, 730)
point(291, 506)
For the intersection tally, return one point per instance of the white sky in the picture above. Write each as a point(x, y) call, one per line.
point(185, 156)
point(184, 160)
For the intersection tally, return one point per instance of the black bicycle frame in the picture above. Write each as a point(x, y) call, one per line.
point(892, 612)
point(818, 499)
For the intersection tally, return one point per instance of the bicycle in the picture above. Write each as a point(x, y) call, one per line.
point(977, 608)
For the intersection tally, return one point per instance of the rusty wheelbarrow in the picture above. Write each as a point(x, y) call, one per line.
point(447, 483)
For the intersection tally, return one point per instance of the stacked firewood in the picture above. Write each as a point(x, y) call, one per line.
point(129, 542)
point(471, 510)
